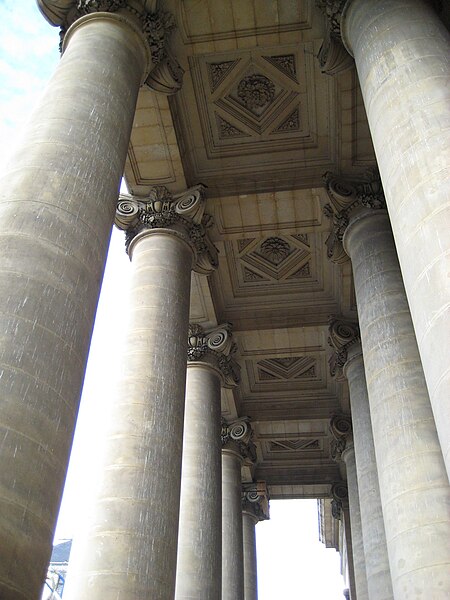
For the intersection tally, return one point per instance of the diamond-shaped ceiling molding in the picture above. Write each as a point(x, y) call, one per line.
point(296, 367)
point(275, 258)
point(251, 93)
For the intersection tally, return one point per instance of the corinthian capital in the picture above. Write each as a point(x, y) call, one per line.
point(181, 214)
point(333, 57)
point(346, 198)
point(165, 74)
point(341, 336)
point(341, 431)
point(237, 437)
point(216, 348)
point(255, 500)
point(339, 494)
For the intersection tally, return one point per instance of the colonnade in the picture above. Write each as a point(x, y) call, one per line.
point(58, 204)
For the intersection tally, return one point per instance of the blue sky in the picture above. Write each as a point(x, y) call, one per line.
point(291, 561)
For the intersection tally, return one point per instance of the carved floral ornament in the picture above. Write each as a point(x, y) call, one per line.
point(182, 214)
point(237, 436)
point(255, 500)
point(215, 347)
point(165, 74)
point(256, 91)
point(346, 197)
point(341, 336)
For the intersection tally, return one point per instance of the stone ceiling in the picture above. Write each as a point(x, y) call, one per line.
point(259, 124)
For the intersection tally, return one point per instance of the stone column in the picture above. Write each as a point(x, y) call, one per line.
point(402, 55)
point(199, 562)
point(342, 449)
point(414, 488)
point(255, 508)
point(57, 203)
point(340, 511)
point(237, 446)
point(130, 545)
point(347, 361)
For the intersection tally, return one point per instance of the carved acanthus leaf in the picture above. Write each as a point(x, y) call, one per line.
point(215, 347)
point(255, 500)
point(237, 436)
point(341, 336)
point(341, 430)
point(183, 214)
point(339, 494)
point(333, 57)
point(347, 196)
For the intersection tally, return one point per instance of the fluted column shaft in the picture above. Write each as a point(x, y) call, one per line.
point(199, 565)
point(250, 562)
point(232, 535)
point(414, 487)
point(402, 54)
point(56, 211)
point(374, 537)
point(130, 546)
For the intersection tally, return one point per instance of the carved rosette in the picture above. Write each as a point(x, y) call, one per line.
point(341, 431)
point(255, 500)
point(182, 214)
point(216, 348)
point(341, 336)
point(165, 74)
point(333, 56)
point(347, 197)
point(237, 437)
point(339, 494)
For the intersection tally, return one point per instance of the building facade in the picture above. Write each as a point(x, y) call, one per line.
point(288, 173)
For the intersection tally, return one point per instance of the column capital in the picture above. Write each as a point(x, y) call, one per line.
point(255, 500)
point(339, 502)
point(214, 347)
point(342, 436)
point(237, 438)
point(347, 198)
point(181, 215)
point(163, 74)
point(342, 335)
point(333, 56)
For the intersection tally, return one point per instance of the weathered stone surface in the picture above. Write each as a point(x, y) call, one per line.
point(414, 488)
point(402, 54)
point(57, 207)
point(199, 563)
point(379, 582)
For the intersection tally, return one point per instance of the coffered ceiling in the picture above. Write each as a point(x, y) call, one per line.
point(259, 124)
